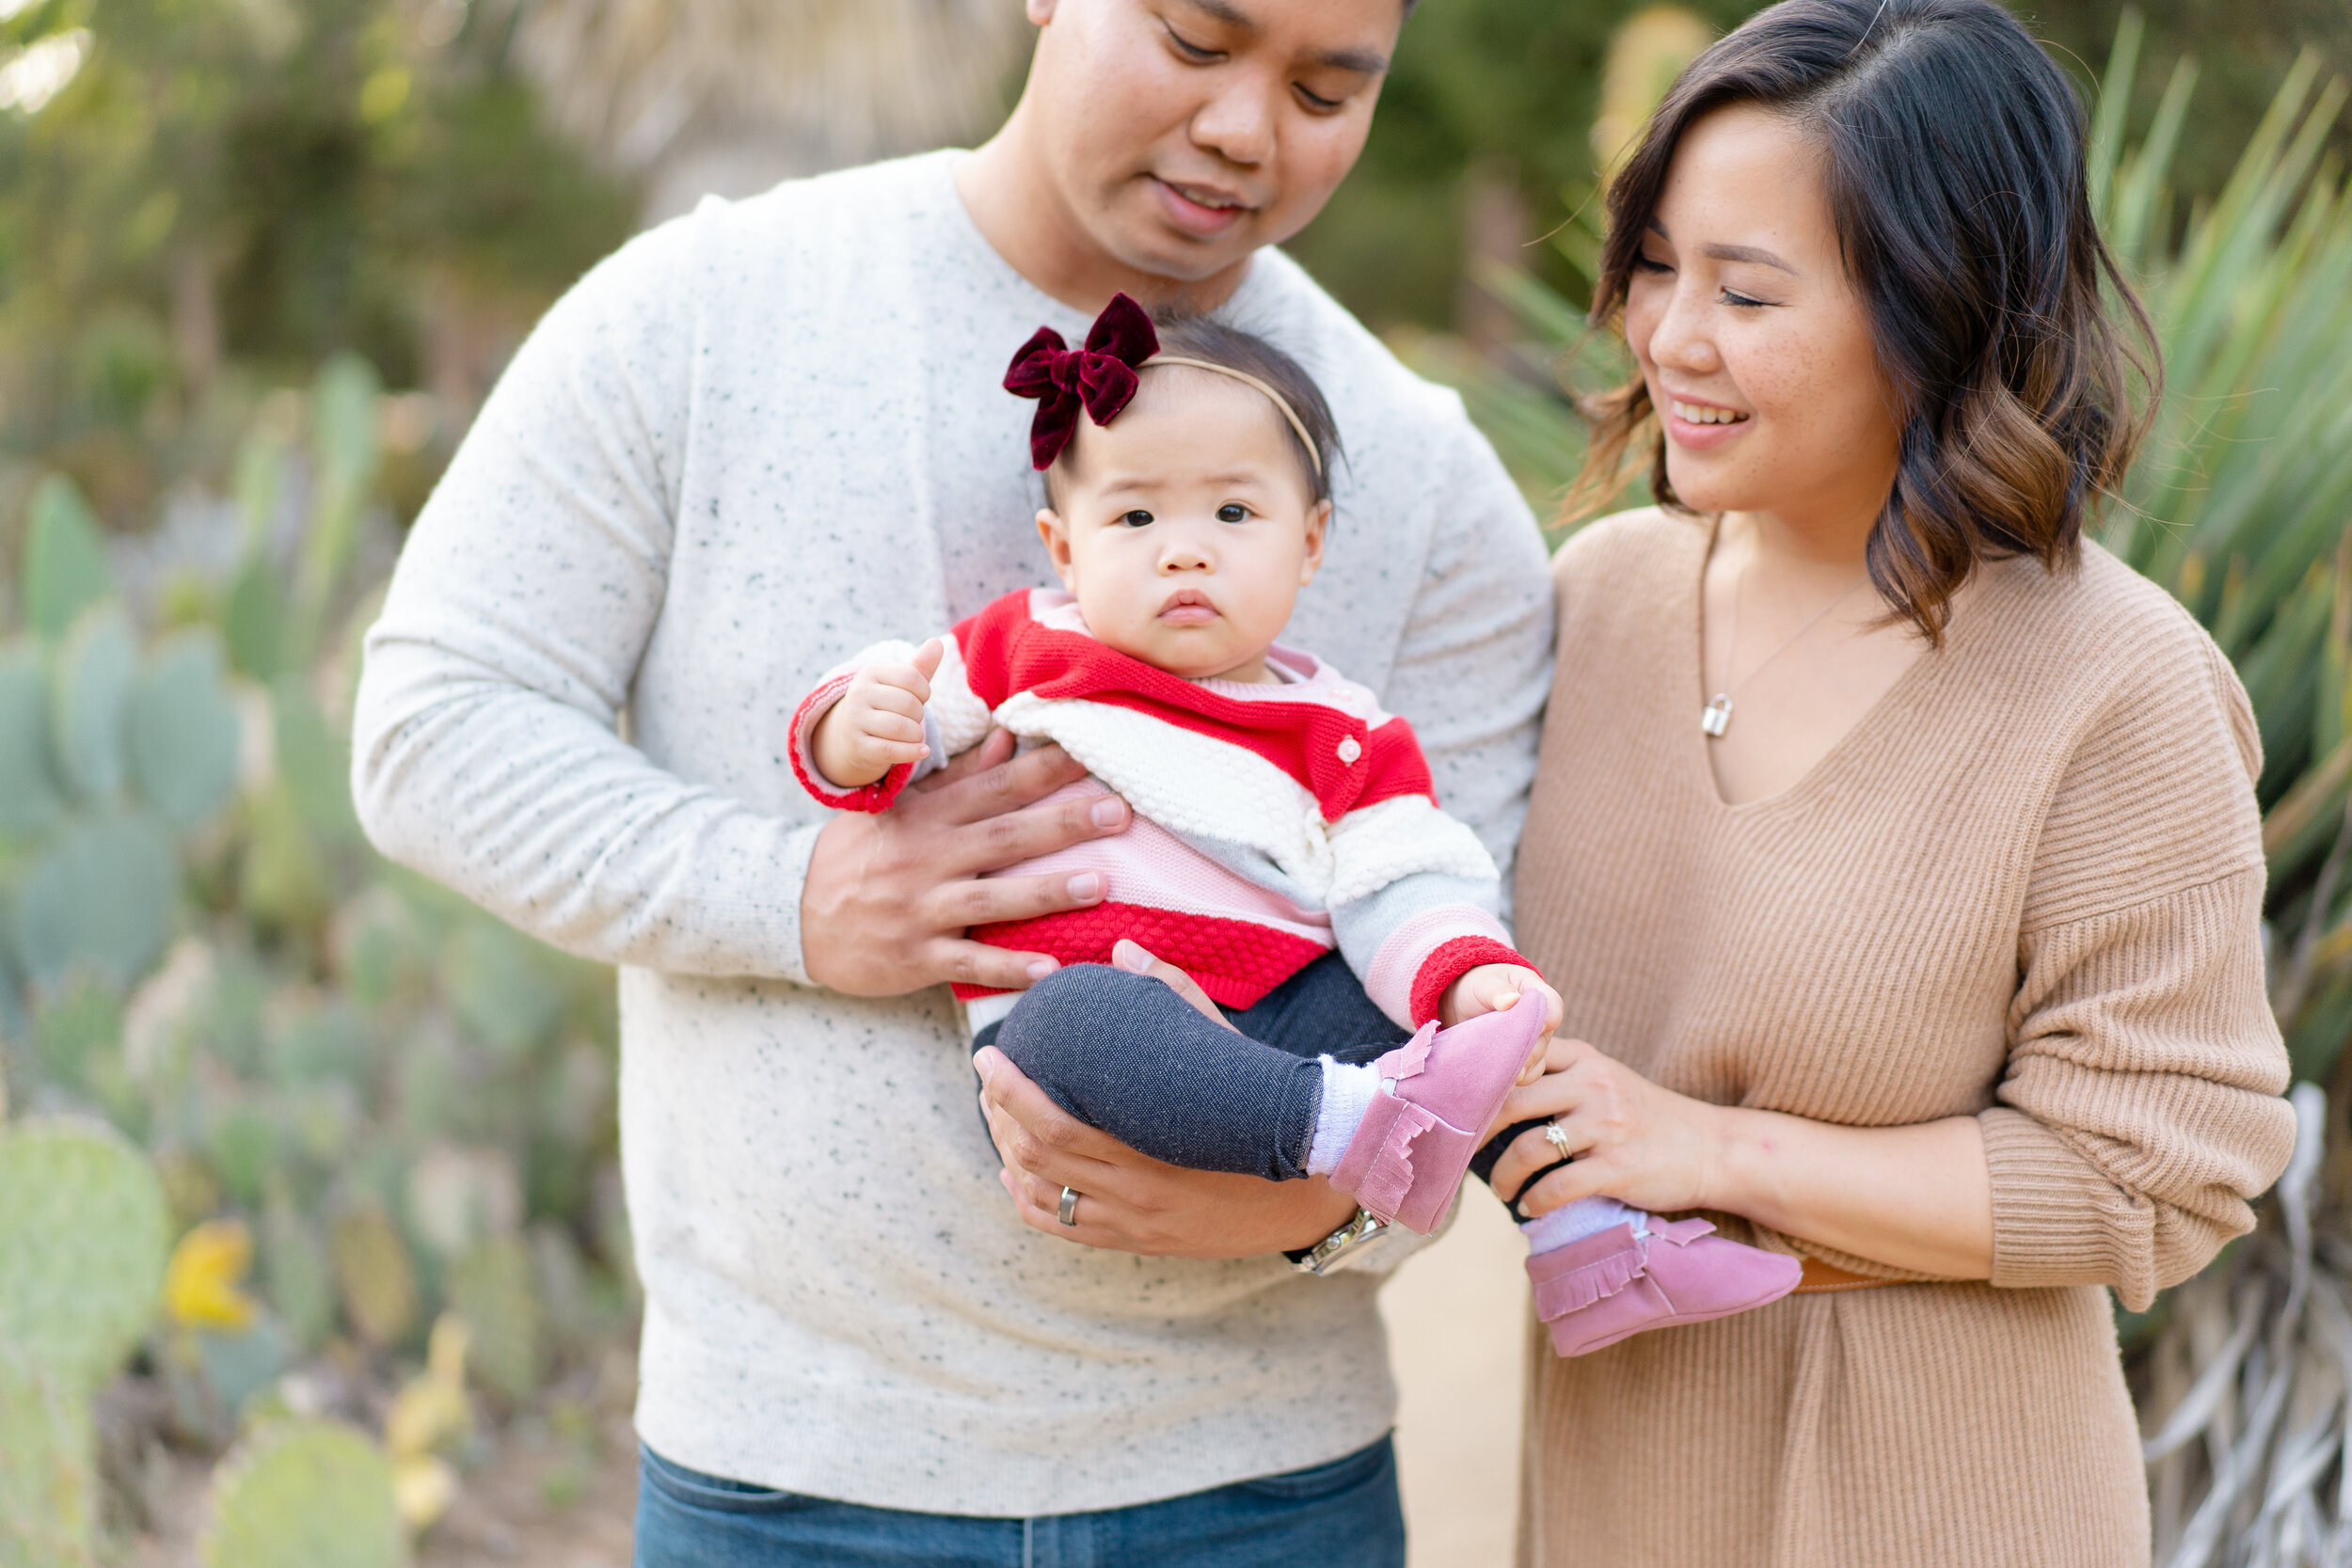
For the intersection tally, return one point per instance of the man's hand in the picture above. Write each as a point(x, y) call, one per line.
point(1130, 1202)
point(878, 722)
point(889, 895)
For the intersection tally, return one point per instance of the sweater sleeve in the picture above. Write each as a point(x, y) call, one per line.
point(2139, 1115)
point(485, 750)
point(1414, 905)
point(954, 719)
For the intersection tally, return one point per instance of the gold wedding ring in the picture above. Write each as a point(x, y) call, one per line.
point(1555, 1136)
point(1068, 1212)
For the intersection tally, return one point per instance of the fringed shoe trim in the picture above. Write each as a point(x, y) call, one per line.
point(1391, 1178)
point(1581, 1274)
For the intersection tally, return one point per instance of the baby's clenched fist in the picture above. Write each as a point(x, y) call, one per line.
point(878, 723)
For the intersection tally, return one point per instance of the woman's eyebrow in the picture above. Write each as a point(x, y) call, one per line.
point(1747, 253)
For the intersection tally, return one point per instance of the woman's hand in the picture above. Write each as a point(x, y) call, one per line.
point(890, 895)
point(1130, 1202)
point(1633, 1141)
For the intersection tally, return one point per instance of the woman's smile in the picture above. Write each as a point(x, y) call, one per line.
point(1697, 426)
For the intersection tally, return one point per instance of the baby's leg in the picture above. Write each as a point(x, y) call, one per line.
point(1125, 1053)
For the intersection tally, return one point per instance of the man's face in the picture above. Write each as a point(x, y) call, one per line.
point(1181, 135)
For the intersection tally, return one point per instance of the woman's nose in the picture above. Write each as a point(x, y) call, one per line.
point(1680, 337)
point(1237, 123)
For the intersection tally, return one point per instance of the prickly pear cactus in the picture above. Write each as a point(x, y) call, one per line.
point(65, 558)
point(102, 892)
point(302, 1495)
point(378, 1282)
point(30, 798)
point(48, 1468)
point(96, 669)
point(83, 1240)
point(182, 730)
point(491, 1288)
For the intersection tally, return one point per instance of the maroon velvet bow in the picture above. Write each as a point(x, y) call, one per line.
point(1100, 377)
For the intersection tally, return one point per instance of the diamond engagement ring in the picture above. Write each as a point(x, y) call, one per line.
point(1557, 1136)
point(1068, 1212)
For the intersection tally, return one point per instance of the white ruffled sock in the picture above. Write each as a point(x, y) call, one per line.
point(1573, 1222)
point(1348, 1092)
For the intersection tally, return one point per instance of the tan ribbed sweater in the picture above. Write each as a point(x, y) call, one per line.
point(2025, 887)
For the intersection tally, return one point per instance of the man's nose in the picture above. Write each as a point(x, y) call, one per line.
point(1237, 123)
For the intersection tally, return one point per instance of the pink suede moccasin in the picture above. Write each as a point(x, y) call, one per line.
point(1608, 1286)
point(1438, 1092)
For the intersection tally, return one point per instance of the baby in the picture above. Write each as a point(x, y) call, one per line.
point(1287, 849)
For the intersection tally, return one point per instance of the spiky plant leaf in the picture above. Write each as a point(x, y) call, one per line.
point(48, 1467)
point(65, 558)
point(83, 1240)
point(30, 794)
point(101, 895)
point(182, 730)
point(302, 1495)
point(95, 668)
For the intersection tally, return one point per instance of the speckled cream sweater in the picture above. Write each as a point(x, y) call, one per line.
point(2027, 887)
point(752, 442)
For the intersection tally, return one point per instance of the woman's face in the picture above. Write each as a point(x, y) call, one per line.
point(1756, 346)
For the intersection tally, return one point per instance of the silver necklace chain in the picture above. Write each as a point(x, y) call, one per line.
point(1715, 719)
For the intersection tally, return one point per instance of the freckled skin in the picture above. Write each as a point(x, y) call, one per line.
point(1140, 521)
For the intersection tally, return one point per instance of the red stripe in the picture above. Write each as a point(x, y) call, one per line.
point(1448, 962)
point(1005, 651)
point(1235, 961)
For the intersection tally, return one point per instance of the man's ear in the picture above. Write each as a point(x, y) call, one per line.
point(1056, 533)
point(1318, 524)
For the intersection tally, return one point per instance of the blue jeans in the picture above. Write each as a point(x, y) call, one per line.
point(1344, 1513)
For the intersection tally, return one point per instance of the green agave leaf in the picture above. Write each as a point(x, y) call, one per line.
point(103, 894)
point(96, 669)
point(30, 796)
point(84, 1233)
point(48, 1467)
point(184, 730)
point(303, 1495)
point(65, 558)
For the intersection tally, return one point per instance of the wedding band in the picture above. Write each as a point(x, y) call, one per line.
point(1557, 1136)
point(1068, 1212)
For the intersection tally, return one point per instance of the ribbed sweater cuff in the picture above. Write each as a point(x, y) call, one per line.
point(2056, 1219)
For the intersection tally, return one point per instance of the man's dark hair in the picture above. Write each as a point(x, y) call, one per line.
point(1953, 158)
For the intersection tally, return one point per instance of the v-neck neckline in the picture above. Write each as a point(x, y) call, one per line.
point(1810, 782)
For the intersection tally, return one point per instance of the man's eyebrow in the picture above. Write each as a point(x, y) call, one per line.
point(1363, 62)
point(1747, 253)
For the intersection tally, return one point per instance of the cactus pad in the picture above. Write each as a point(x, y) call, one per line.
point(302, 1495)
point(182, 730)
point(103, 894)
point(48, 1468)
point(30, 798)
point(83, 1240)
point(491, 1288)
point(379, 1284)
point(65, 558)
point(96, 669)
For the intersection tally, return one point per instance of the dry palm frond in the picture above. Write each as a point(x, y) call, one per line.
point(809, 84)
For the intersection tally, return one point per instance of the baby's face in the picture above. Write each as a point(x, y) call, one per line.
point(1186, 528)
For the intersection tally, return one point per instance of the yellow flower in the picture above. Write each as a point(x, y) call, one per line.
point(200, 1282)
point(422, 1489)
point(432, 1409)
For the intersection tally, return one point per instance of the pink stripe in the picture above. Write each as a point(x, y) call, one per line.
point(1398, 963)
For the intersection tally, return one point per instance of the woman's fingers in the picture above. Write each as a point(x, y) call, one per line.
point(1136, 959)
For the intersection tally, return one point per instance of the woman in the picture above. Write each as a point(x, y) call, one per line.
point(1897, 847)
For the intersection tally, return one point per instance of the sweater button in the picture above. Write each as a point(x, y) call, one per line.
point(1350, 748)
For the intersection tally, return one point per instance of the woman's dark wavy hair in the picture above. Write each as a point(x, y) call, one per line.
point(1953, 161)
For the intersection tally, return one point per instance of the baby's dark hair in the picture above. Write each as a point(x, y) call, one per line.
point(1203, 338)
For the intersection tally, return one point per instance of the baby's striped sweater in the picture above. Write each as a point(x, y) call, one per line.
point(1273, 822)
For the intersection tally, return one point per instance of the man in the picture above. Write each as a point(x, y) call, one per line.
point(750, 443)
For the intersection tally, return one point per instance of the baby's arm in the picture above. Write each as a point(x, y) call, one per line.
point(878, 723)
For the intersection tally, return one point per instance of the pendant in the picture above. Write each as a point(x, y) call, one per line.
point(1717, 719)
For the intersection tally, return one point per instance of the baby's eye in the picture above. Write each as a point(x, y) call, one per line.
point(1137, 518)
point(1232, 511)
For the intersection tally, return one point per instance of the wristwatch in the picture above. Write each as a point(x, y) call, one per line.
point(1343, 1248)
